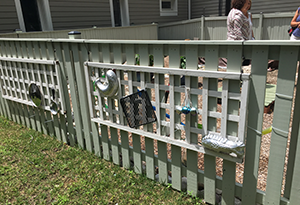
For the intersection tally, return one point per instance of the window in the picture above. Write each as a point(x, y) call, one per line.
point(168, 7)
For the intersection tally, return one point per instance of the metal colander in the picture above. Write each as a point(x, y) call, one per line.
point(138, 109)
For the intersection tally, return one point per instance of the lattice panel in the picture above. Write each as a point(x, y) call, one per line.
point(17, 75)
point(171, 91)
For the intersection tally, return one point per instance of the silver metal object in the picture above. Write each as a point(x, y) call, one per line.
point(54, 108)
point(110, 86)
point(219, 144)
point(35, 95)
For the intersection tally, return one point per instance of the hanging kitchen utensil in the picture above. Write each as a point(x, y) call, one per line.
point(138, 109)
point(110, 86)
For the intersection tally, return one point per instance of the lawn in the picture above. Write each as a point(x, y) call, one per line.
point(38, 169)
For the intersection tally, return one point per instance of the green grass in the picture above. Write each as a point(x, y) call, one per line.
point(38, 169)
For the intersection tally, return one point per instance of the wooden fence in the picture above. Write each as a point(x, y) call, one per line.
point(65, 70)
point(265, 27)
point(141, 32)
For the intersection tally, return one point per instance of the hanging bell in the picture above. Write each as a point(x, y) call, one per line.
point(178, 109)
point(35, 95)
point(194, 111)
point(186, 110)
point(54, 108)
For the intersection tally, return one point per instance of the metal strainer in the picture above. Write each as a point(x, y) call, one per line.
point(138, 109)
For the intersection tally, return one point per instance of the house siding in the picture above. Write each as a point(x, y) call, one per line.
point(145, 12)
point(211, 7)
point(274, 6)
point(206, 8)
point(8, 15)
point(75, 14)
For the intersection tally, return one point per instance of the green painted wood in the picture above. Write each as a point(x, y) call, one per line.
point(37, 119)
point(6, 112)
point(158, 60)
point(292, 186)
point(106, 53)
point(130, 54)
point(117, 48)
point(291, 181)
point(42, 54)
point(95, 126)
point(228, 184)
point(36, 55)
point(11, 52)
point(26, 115)
point(191, 53)
point(79, 56)
point(137, 157)
point(20, 75)
point(50, 124)
point(22, 114)
point(56, 124)
point(22, 53)
point(192, 172)
point(18, 111)
point(281, 120)
point(210, 179)
point(49, 53)
point(62, 68)
point(255, 120)
point(162, 162)
point(30, 55)
point(174, 99)
point(96, 139)
point(211, 63)
point(62, 120)
point(149, 158)
point(4, 54)
point(2, 105)
point(12, 111)
point(32, 117)
point(74, 97)
point(105, 141)
point(106, 148)
point(125, 149)
point(144, 61)
point(174, 62)
point(176, 167)
point(114, 145)
point(233, 55)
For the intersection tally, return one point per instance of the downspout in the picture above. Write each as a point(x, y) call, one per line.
point(124, 13)
point(111, 4)
point(20, 15)
point(189, 9)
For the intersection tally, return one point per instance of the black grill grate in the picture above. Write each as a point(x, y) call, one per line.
point(138, 109)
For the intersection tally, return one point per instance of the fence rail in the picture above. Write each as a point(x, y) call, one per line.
point(265, 27)
point(96, 122)
point(141, 32)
